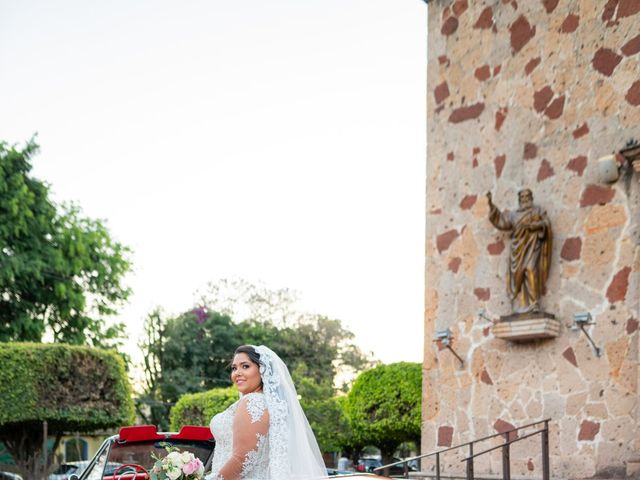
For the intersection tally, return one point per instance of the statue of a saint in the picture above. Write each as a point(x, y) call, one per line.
point(530, 257)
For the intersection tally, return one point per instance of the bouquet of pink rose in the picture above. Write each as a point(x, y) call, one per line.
point(177, 465)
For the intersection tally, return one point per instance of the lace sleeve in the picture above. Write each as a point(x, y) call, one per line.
point(250, 427)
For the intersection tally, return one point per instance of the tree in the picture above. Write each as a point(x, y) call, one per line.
point(384, 406)
point(270, 317)
point(59, 271)
point(72, 388)
point(185, 354)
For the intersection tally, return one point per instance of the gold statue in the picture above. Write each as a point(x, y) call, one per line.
point(530, 257)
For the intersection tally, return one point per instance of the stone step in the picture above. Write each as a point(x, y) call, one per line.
point(477, 476)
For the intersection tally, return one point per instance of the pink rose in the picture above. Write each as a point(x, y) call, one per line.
point(192, 466)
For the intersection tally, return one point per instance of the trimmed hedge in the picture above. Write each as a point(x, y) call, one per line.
point(199, 408)
point(74, 388)
point(384, 405)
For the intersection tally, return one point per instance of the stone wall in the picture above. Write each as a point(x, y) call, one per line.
point(530, 94)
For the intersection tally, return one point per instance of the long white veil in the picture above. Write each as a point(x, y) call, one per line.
point(293, 449)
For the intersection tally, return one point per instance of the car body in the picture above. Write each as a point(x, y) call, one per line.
point(137, 447)
point(130, 454)
point(65, 470)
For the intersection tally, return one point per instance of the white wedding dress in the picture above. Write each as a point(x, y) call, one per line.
point(274, 440)
point(253, 461)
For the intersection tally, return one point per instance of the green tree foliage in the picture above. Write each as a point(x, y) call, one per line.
point(58, 269)
point(384, 406)
point(185, 354)
point(199, 408)
point(73, 388)
point(324, 411)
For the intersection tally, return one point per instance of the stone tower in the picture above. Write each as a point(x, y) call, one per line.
point(531, 94)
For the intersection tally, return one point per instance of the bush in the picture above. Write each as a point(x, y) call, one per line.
point(199, 408)
point(73, 388)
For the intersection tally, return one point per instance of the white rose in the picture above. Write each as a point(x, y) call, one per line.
point(173, 474)
point(174, 457)
point(185, 457)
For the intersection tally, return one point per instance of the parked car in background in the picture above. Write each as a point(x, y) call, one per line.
point(64, 471)
point(9, 476)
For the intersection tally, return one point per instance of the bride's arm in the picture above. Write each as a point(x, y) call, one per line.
point(250, 423)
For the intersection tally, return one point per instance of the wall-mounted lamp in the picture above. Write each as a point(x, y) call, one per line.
point(443, 339)
point(609, 167)
point(582, 320)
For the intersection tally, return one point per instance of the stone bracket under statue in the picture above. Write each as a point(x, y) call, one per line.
point(531, 241)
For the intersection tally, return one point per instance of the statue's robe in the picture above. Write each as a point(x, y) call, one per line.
point(530, 256)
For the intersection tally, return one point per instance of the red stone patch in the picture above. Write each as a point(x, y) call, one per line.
point(442, 59)
point(449, 26)
point(466, 113)
point(500, 116)
point(550, 5)
point(570, 356)
point(485, 20)
point(502, 426)
point(485, 331)
point(596, 195)
point(588, 430)
point(445, 436)
point(627, 8)
point(499, 164)
point(530, 466)
point(482, 293)
point(633, 94)
point(441, 92)
point(545, 171)
point(631, 47)
point(468, 201)
point(444, 240)
point(454, 264)
point(530, 151)
point(450, 157)
point(476, 150)
point(609, 10)
point(577, 164)
point(617, 290)
point(459, 7)
point(632, 325)
point(485, 378)
point(521, 33)
point(605, 61)
point(541, 98)
point(496, 248)
point(570, 24)
point(571, 249)
point(482, 73)
point(474, 164)
point(496, 70)
point(555, 109)
point(581, 131)
point(531, 65)
point(436, 211)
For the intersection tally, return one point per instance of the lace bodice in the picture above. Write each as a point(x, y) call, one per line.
point(242, 440)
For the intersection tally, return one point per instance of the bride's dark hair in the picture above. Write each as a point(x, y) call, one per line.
point(251, 353)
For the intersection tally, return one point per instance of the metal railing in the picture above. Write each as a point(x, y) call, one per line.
point(506, 465)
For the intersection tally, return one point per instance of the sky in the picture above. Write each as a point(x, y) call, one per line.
point(283, 142)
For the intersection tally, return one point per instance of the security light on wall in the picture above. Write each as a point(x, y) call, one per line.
point(582, 320)
point(610, 166)
point(444, 338)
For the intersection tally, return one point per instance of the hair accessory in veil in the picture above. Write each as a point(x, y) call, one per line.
point(293, 449)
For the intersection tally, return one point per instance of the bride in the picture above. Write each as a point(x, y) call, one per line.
point(264, 435)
